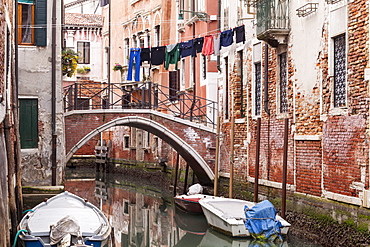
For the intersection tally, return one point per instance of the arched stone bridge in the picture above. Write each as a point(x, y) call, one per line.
point(191, 140)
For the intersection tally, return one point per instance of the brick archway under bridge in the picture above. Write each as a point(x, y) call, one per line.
point(192, 141)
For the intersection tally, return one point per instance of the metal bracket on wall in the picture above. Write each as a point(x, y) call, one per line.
point(307, 9)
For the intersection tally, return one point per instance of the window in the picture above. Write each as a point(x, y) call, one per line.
point(257, 89)
point(83, 50)
point(141, 40)
point(82, 104)
point(182, 77)
point(283, 83)
point(157, 35)
point(126, 142)
point(340, 71)
point(127, 51)
point(32, 22)
point(104, 2)
point(204, 67)
point(174, 84)
point(28, 123)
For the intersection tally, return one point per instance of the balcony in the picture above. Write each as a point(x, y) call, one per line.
point(273, 21)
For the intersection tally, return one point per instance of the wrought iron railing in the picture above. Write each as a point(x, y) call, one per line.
point(272, 15)
point(143, 95)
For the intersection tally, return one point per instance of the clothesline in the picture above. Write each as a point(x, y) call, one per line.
point(171, 54)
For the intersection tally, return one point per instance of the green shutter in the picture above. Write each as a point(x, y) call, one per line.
point(28, 123)
point(40, 22)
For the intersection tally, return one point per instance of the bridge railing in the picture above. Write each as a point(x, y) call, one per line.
point(142, 95)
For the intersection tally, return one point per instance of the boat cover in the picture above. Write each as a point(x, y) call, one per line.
point(67, 225)
point(195, 189)
point(261, 221)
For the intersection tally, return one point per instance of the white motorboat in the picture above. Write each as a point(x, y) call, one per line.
point(64, 218)
point(229, 216)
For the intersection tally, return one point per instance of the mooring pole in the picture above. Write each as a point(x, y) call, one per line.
point(176, 173)
point(215, 185)
point(285, 166)
point(186, 177)
point(231, 182)
point(257, 165)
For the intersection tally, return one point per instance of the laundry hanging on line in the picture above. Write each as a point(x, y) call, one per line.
point(171, 54)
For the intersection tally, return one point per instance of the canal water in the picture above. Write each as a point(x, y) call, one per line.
point(142, 213)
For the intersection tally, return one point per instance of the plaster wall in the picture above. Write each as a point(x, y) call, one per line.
point(35, 81)
point(306, 44)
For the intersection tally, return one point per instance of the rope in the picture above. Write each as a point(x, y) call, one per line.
point(16, 237)
point(28, 210)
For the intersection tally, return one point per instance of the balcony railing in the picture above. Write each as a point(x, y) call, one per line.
point(143, 95)
point(273, 20)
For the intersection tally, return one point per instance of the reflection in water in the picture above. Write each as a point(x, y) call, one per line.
point(145, 216)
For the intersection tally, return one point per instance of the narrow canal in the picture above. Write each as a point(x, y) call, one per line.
point(142, 212)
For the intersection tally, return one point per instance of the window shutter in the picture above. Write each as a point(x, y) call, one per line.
point(40, 22)
point(28, 123)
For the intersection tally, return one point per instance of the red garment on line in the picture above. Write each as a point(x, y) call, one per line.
point(208, 48)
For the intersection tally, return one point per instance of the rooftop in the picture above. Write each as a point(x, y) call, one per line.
point(83, 20)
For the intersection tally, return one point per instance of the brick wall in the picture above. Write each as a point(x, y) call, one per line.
point(78, 125)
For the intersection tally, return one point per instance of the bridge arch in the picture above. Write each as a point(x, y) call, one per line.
point(187, 152)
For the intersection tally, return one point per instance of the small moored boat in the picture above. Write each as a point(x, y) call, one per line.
point(64, 218)
point(240, 218)
point(190, 203)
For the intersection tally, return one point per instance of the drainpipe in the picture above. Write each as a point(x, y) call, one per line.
point(266, 71)
point(109, 51)
point(194, 74)
point(285, 168)
point(218, 28)
point(266, 105)
point(257, 164)
point(53, 98)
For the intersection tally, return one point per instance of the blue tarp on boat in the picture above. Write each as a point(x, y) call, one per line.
point(261, 221)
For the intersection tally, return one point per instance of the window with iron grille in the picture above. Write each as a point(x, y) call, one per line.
point(283, 83)
point(339, 70)
point(257, 89)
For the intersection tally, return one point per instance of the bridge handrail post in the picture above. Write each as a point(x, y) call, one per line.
point(143, 97)
point(150, 94)
point(75, 96)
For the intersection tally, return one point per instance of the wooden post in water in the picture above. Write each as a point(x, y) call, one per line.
point(285, 166)
point(231, 157)
point(257, 165)
point(186, 177)
point(176, 174)
point(215, 185)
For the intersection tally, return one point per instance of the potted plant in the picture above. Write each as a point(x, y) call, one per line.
point(117, 67)
point(87, 69)
point(69, 62)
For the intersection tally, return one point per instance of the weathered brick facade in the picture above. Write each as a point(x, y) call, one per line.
point(327, 145)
